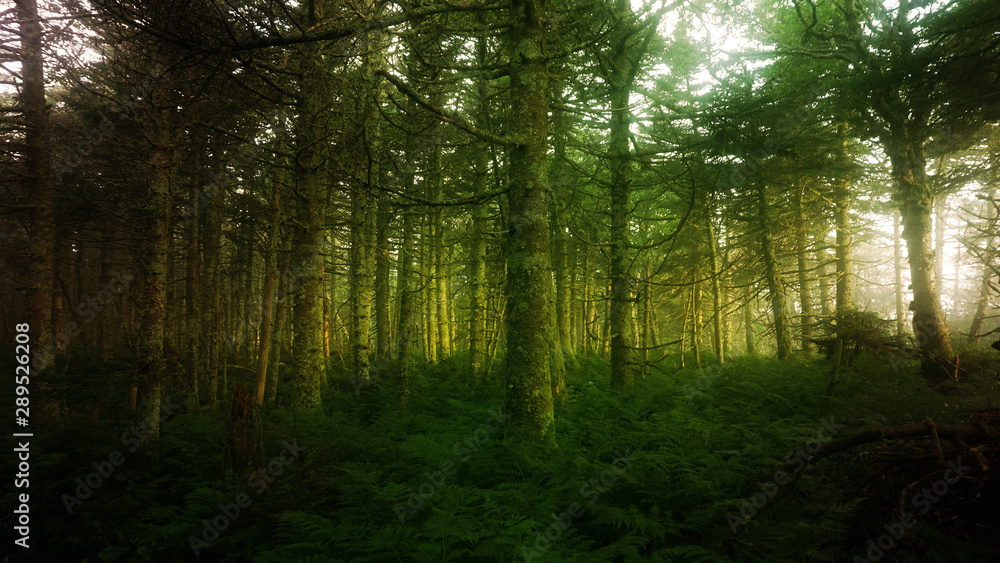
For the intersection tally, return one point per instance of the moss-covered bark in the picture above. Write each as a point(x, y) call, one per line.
point(477, 244)
point(805, 281)
point(904, 146)
point(621, 195)
point(382, 329)
point(155, 221)
point(772, 274)
point(529, 331)
point(717, 298)
point(845, 241)
point(308, 345)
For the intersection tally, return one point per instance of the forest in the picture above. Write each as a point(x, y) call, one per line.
point(500, 280)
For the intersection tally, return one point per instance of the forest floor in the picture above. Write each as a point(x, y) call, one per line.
point(688, 466)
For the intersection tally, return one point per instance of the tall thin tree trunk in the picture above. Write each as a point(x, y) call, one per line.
point(621, 190)
point(558, 184)
point(717, 299)
point(528, 402)
point(212, 322)
point(647, 317)
point(193, 340)
point(280, 323)
point(309, 166)
point(845, 242)
point(38, 171)
point(477, 280)
point(772, 273)
point(940, 226)
point(155, 225)
point(897, 264)
point(748, 319)
point(587, 305)
point(430, 290)
point(268, 297)
point(805, 283)
point(405, 291)
point(363, 204)
point(983, 303)
point(382, 328)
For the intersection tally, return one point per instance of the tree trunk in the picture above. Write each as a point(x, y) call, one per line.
point(211, 325)
point(430, 290)
point(647, 317)
point(824, 286)
point(805, 283)
point(382, 328)
point(558, 184)
point(621, 190)
point(775, 285)
point(897, 264)
point(363, 205)
point(38, 171)
point(713, 258)
point(307, 345)
point(477, 281)
point(983, 303)
point(153, 260)
point(940, 226)
point(280, 323)
point(528, 402)
point(842, 201)
point(268, 297)
point(906, 153)
point(588, 327)
point(748, 319)
point(193, 340)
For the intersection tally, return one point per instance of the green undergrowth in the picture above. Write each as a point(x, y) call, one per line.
point(656, 473)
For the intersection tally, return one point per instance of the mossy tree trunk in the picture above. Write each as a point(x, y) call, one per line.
point(621, 194)
point(772, 274)
point(717, 297)
point(529, 323)
point(897, 266)
point(309, 166)
point(559, 184)
point(405, 290)
point(987, 257)
point(477, 245)
point(363, 203)
point(905, 147)
point(805, 281)
point(283, 304)
point(382, 329)
point(268, 295)
point(842, 217)
point(155, 221)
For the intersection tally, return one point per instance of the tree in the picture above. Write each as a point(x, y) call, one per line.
point(913, 71)
point(529, 323)
point(38, 172)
